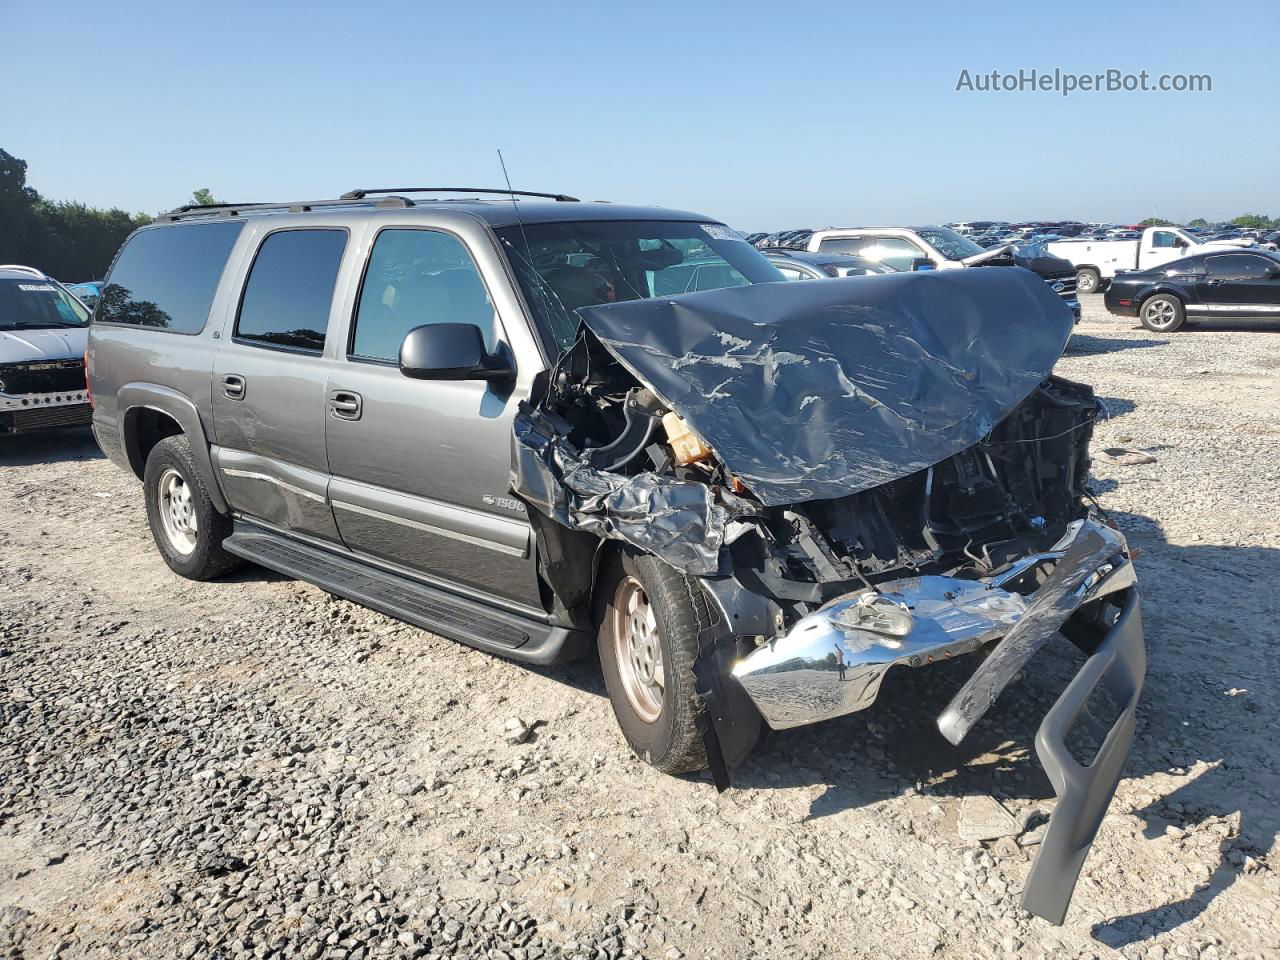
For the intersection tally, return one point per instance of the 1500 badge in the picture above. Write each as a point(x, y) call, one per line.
point(506, 503)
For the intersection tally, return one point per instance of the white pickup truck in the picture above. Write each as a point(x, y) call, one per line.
point(1096, 261)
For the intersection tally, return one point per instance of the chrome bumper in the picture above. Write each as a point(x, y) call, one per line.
point(830, 664)
point(15, 402)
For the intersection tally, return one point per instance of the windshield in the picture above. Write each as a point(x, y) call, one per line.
point(564, 266)
point(949, 243)
point(30, 304)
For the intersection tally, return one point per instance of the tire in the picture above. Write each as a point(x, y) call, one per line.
point(1162, 313)
point(666, 738)
point(174, 493)
point(1088, 280)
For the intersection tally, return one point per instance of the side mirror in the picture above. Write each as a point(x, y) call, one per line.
point(923, 263)
point(451, 351)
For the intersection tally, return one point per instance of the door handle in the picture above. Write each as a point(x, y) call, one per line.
point(1213, 283)
point(345, 404)
point(233, 387)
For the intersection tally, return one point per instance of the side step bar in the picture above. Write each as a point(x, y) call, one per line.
point(467, 621)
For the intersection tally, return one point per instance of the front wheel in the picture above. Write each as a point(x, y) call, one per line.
point(1088, 280)
point(650, 617)
point(1162, 313)
point(187, 528)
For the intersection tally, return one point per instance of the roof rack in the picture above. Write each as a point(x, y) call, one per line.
point(293, 206)
point(390, 199)
point(19, 268)
point(364, 192)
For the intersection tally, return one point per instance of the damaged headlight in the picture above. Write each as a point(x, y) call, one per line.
point(877, 613)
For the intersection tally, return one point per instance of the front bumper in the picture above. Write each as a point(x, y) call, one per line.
point(29, 412)
point(830, 664)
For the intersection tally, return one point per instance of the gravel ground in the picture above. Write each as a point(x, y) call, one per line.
point(255, 768)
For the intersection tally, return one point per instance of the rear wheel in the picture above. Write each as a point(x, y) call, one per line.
point(1162, 313)
point(187, 528)
point(1088, 280)
point(649, 622)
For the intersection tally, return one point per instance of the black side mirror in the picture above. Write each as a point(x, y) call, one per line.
point(923, 263)
point(451, 351)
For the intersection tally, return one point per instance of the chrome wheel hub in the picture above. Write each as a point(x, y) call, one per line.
point(1159, 313)
point(177, 511)
point(638, 649)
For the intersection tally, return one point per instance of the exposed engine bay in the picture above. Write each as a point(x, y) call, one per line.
point(858, 435)
point(650, 480)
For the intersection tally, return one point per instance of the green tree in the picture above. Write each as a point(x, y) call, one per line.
point(1155, 222)
point(1258, 221)
point(203, 197)
point(67, 240)
point(1198, 222)
point(17, 208)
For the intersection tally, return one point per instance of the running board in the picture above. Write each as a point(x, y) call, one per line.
point(458, 618)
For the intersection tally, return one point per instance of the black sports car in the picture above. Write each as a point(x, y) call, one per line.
point(1225, 283)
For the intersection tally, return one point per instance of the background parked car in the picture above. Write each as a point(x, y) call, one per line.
point(802, 265)
point(89, 291)
point(940, 248)
point(1224, 283)
point(43, 330)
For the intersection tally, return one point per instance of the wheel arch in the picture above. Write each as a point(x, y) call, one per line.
point(153, 412)
point(1146, 293)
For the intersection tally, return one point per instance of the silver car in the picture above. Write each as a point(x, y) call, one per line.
point(43, 335)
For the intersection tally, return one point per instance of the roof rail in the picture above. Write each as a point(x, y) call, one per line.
point(293, 206)
point(364, 192)
point(19, 268)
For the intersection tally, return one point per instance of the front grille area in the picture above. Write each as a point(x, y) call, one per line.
point(46, 418)
point(1065, 287)
point(43, 376)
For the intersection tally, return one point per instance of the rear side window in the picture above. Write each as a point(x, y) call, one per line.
point(165, 278)
point(846, 244)
point(286, 299)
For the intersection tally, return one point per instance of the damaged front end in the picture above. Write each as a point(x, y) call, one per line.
point(859, 474)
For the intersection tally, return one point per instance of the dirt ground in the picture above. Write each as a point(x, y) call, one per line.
point(254, 768)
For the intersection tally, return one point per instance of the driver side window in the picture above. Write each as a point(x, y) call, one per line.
point(416, 277)
point(1164, 240)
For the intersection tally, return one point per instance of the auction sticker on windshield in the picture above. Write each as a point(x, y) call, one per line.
point(718, 231)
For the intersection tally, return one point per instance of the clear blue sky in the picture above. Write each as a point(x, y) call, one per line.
point(764, 115)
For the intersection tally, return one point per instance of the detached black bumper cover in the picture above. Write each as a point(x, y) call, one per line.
point(1084, 792)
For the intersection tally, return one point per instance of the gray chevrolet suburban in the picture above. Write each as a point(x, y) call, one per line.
point(517, 421)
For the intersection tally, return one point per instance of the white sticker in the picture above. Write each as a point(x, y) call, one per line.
point(718, 231)
point(36, 286)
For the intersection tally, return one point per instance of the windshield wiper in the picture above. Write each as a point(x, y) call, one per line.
point(42, 325)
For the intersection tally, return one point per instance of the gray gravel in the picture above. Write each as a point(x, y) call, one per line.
point(254, 768)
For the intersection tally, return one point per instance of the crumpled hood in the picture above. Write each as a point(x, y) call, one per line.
point(819, 389)
point(57, 343)
point(999, 250)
